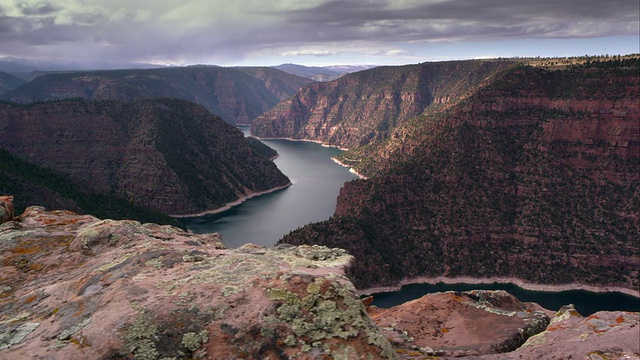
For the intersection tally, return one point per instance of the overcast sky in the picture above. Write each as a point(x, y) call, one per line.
point(313, 32)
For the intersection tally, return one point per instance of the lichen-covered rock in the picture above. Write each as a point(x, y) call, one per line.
point(76, 287)
point(6, 208)
point(603, 335)
point(461, 323)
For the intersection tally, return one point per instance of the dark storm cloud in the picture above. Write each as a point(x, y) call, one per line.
point(461, 19)
point(229, 30)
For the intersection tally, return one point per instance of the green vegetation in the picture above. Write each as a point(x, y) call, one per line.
point(34, 185)
point(261, 148)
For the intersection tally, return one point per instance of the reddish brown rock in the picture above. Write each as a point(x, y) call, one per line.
point(76, 287)
point(461, 324)
point(167, 155)
point(6, 208)
point(603, 335)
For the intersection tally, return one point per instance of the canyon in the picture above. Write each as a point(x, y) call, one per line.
point(74, 287)
point(474, 169)
point(532, 176)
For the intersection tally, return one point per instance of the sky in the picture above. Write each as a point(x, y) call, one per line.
point(312, 32)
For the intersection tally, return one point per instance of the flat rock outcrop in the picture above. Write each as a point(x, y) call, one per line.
point(461, 323)
point(600, 336)
point(76, 287)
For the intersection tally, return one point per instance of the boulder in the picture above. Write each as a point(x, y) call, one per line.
point(603, 335)
point(461, 323)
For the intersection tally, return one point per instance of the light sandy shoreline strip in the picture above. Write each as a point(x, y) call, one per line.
point(351, 170)
point(304, 140)
point(233, 203)
point(502, 280)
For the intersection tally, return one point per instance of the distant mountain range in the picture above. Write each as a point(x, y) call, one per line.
point(322, 73)
point(9, 82)
point(235, 94)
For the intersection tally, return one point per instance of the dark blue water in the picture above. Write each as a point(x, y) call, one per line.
point(586, 302)
point(265, 219)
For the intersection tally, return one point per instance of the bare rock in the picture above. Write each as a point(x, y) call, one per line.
point(76, 287)
point(6, 208)
point(603, 335)
point(461, 324)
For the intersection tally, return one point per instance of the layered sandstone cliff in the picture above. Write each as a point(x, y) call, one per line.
point(534, 176)
point(365, 107)
point(169, 155)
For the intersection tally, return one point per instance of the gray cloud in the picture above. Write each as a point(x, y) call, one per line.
point(40, 8)
point(227, 31)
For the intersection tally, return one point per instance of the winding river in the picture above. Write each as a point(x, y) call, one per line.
point(317, 180)
point(265, 219)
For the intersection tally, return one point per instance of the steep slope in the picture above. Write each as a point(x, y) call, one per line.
point(535, 176)
point(321, 73)
point(366, 106)
point(280, 83)
point(170, 155)
point(36, 185)
point(233, 94)
point(9, 82)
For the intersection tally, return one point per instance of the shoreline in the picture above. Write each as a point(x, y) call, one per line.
point(351, 170)
point(229, 205)
point(501, 280)
point(304, 140)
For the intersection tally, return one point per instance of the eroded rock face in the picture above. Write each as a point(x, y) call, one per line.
point(76, 287)
point(6, 208)
point(168, 155)
point(461, 323)
point(603, 335)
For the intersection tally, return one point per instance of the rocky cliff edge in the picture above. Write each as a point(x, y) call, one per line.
point(77, 287)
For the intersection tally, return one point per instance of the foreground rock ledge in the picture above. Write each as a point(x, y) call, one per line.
point(76, 287)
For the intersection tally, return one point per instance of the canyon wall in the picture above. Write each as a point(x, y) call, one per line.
point(534, 176)
point(169, 155)
point(365, 107)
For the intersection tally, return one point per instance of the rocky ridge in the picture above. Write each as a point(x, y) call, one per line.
point(365, 107)
point(169, 155)
point(75, 287)
point(9, 82)
point(235, 94)
point(534, 176)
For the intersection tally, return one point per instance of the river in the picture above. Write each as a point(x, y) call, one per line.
point(316, 182)
point(586, 302)
point(265, 219)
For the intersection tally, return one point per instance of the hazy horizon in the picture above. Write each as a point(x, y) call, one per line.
point(90, 33)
